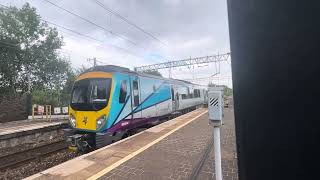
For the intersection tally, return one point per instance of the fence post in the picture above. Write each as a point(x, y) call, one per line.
point(33, 106)
point(29, 106)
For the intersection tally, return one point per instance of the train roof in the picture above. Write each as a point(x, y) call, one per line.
point(113, 68)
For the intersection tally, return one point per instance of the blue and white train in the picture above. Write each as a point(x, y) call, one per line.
point(108, 102)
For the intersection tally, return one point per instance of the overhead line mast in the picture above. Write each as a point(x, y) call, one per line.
point(185, 62)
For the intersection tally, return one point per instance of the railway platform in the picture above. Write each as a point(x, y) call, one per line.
point(16, 127)
point(24, 134)
point(177, 149)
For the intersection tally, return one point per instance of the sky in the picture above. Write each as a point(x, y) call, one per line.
point(167, 30)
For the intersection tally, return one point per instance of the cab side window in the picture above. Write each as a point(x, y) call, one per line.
point(123, 91)
point(135, 93)
point(172, 93)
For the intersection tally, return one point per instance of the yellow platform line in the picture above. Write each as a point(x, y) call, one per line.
point(118, 163)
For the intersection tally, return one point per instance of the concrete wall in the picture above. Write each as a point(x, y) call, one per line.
point(23, 140)
point(14, 108)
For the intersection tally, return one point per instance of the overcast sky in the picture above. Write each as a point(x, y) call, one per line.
point(185, 28)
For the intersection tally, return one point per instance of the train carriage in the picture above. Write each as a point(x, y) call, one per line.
point(108, 102)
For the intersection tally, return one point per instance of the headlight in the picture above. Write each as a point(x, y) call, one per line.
point(72, 121)
point(100, 122)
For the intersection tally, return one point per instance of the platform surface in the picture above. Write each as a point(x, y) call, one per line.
point(171, 150)
point(26, 125)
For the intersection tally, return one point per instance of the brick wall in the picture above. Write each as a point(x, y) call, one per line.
point(14, 108)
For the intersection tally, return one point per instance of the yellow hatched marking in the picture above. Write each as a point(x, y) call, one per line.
point(118, 163)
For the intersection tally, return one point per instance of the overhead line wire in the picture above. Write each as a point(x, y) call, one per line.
point(86, 36)
point(71, 30)
point(128, 21)
point(91, 38)
point(88, 21)
point(9, 44)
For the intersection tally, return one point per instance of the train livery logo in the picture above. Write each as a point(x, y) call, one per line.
point(85, 120)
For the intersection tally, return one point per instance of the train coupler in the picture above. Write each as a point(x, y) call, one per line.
point(80, 142)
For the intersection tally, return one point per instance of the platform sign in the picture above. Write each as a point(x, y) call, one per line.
point(57, 110)
point(65, 110)
point(40, 109)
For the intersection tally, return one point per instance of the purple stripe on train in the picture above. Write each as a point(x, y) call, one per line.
point(127, 124)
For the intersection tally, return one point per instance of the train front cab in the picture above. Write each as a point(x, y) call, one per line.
point(89, 109)
point(100, 109)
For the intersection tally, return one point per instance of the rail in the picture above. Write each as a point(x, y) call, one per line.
point(22, 157)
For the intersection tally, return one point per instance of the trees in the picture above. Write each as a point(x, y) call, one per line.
point(28, 49)
point(227, 91)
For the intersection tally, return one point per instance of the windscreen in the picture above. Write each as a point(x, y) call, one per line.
point(90, 94)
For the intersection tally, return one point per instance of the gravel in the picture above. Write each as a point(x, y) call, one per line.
point(38, 165)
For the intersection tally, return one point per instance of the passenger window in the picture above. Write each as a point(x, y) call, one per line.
point(135, 93)
point(184, 96)
point(123, 92)
point(190, 94)
point(196, 93)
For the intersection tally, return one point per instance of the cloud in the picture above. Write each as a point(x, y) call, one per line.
point(172, 2)
point(188, 28)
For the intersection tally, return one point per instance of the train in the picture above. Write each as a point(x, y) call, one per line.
point(110, 102)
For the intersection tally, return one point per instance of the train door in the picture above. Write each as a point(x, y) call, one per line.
point(135, 83)
point(175, 98)
point(204, 96)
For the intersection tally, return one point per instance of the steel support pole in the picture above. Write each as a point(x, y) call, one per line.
point(217, 152)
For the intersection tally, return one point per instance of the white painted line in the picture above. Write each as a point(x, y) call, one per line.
point(71, 162)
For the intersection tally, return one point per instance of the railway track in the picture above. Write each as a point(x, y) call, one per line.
point(22, 157)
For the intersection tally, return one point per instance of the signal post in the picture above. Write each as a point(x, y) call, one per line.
point(215, 107)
